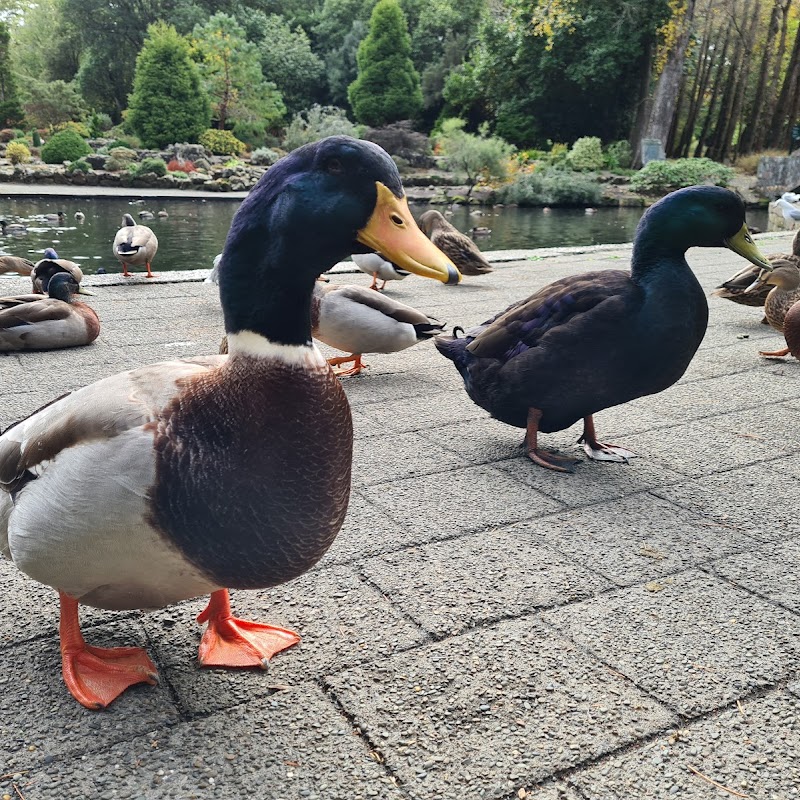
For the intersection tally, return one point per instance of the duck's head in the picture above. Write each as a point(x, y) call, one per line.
point(127, 220)
point(62, 286)
point(784, 275)
point(699, 216)
point(51, 254)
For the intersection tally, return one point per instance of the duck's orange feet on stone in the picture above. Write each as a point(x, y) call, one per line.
point(232, 642)
point(774, 353)
point(544, 458)
point(95, 676)
point(149, 274)
point(358, 364)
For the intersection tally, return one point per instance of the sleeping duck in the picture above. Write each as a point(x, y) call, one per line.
point(783, 282)
point(13, 228)
point(191, 476)
point(377, 266)
point(598, 339)
point(359, 321)
point(15, 264)
point(461, 250)
point(134, 245)
point(49, 266)
point(739, 287)
point(33, 322)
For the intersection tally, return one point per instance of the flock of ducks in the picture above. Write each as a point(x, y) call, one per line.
point(194, 476)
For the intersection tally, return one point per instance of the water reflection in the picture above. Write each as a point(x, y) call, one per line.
point(195, 230)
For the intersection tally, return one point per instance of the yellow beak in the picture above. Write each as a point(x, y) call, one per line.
point(81, 290)
point(392, 231)
point(743, 244)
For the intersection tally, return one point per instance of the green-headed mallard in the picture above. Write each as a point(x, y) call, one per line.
point(461, 250)
point(135, 245)
point(187, 477)
point(33, 322)
point(50, 265)
point(598, 339)
point(15, 264)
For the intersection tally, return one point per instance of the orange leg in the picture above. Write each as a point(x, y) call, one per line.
point(97, 675)
point(774, 353)
point(374, 284)
point(149, 274)
point(382, 286)
point(542, 457)
point(358, 364)
point(600, 451)
point(125, 269)
point(232, 642)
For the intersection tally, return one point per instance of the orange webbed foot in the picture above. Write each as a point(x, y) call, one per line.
point(774, 353)
point(358, 365)
point(232, 642)
point(149, 274)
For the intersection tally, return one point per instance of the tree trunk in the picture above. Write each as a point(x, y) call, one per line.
point(715, 91)
point(642, 107)
point(781, 120)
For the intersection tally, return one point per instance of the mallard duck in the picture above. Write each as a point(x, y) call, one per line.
point(13, 228)
point(480, 231)
point(377, 266)
point(80, 216)
point(735, 288)
point(191, 476)
point(15, 264)
point(791, 330)
point(146, 215)
point(784, 283)
point(58, 216)
point(162, 214)
point(598, 339)
point(461, 250)
point(134, 245)
point(31, 322)
point(51, 265)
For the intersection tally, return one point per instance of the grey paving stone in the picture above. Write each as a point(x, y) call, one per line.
point(635, 539)
point(39, 719)
point(479, 441)
point(771, 571)
point(342, 621)
point(487, 713)
point(293, 745)
point(449, 586)
point(750, 749)
point(692, 640)
point(775, 426)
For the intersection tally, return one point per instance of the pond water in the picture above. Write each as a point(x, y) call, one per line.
point(195, 230)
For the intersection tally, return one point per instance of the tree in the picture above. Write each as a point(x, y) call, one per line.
point(231, 72)
point(10, 109)
point(168, 103)
point(387, 87)
point(51, 102)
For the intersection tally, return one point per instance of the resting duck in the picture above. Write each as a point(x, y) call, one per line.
point(80, 216)
point(377, 266)
point(31, 322)
point(187, 477)
point(461, 250)
point(49, 266)
point(58, 216)
point(15, 264)
point(12, 227)
point(134, 245)
point(784, 284)
point(591, 341)
point(791, 330)
point(736, 287)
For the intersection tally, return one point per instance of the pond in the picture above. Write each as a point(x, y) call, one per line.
point(195, 230)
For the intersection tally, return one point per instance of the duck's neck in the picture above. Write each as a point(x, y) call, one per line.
point(655, 253)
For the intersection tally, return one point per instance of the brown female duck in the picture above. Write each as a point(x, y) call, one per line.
point(461, 250)
point(784, 284)
point(15, 264)
point(187, 477)
point(51, 265)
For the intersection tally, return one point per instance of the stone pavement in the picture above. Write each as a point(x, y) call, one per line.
point(481, 628)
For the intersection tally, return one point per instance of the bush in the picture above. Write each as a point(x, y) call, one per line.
point(64, 146)
point(99, 123)
point(619, 155)
point(78, 166)
point(749, 163)
point(71, 125)
point(18, 153)
point(252, 134)
point(586, 154)
point(661, 176)
point(221, 143)
point(6, 134)
point(124, 154)
point(128, 143)
point(264, 157)
point(176, 165)
point(36, 138)
point(317, 123)
point(154, 165)
point(551, 186)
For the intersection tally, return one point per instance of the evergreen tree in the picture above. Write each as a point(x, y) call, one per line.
point(168, 103)
point(387, 87)
point(10, 109)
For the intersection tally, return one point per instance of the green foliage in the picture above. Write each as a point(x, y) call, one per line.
point(18, 153)
point(99, 123)
point(122, 153)
point(231, 72)
point(126, 142)
point(36, 138)
point(661, 176)
point(551, 186)
point(586, 154)
point(49, 103)
point(79, 127)
point(78, 166)
point(619, 155)
point(481, 156)
point(317, 123)
point(221, 143)
point(264, 157)
point(10, 108)
point(168, 103)
point(253, 134)
point(387, 87)
point(155, 165)
point(64, 146)
point(559, 153)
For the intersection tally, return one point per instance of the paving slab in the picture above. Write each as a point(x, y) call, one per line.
point(691, 640)
point(499, 709)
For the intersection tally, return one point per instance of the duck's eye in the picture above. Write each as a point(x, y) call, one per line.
point(334, 167)
point(398, 220)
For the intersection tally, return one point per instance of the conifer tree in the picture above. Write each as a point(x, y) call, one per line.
point(168, 103)
point(387, 87)
point(10, 109)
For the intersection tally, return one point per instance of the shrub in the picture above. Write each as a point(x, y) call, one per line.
point(123, 154)
point(6, 134)
point(155, 165)
point(78, 166)
point(18, 153)
point(619, 155)
point(264, 157)
point(586, 154)
point(221, 143)
point(400, 139)
point(71, 125)
point(251, 133)
point(660, 176)
point(317, 123)
point(176, 165)
point(749, 163)
point(36, 138)
point(558, 153)
point(64, 146)
point(99, 123)
point(181, 176)
point(551, 186)
point(128, 143)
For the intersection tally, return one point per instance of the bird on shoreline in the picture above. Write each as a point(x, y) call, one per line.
point(376, 265)
point(15, 264)
point(134, 245)
point(50, 265)
point(462, 251)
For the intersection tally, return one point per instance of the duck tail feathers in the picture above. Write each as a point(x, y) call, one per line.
point(426, 330)
point(454, 347)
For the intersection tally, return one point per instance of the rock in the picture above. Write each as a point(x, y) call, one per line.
point(96, 160)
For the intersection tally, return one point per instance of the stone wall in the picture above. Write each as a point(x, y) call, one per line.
point(778, 174)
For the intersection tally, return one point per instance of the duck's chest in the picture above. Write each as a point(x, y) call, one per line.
point(253, 478)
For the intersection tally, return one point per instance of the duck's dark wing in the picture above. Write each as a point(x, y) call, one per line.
point(563, 304)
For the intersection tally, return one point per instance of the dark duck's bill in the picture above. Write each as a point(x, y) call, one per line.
point(743, 244)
